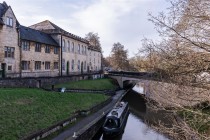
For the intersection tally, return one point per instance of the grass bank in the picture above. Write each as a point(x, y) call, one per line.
point(98, 84)
point(23, 111)
point(198, 119)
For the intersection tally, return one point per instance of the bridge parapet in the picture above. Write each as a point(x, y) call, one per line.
point(122, 76)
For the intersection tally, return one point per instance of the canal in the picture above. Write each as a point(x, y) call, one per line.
point(141, 114)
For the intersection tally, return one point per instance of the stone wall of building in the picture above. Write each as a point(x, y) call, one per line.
point(94, 60)
point(75, 57)
point(42, 56)
point(9, 38)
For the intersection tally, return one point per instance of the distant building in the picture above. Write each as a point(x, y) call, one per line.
point(43, 49)
point(94, 59)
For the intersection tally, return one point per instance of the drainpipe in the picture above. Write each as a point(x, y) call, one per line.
point(61, 74)
point(20, 49)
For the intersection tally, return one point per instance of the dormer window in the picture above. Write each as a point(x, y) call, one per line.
point(9, 21)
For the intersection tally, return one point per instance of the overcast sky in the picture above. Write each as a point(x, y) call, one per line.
point(124, 21)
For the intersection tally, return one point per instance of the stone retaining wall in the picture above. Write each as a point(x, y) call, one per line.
point(43, 81)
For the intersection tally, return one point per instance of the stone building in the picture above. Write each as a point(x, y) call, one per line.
point(39, 53)
point(94, 59)
point(43, 49)
point(74, 49)
point(9, 50)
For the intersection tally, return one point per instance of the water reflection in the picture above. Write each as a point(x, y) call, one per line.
point(140, 112)
point(139, 87)
point(136, 129)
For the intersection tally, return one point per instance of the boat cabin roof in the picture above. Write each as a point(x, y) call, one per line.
point(117, 110)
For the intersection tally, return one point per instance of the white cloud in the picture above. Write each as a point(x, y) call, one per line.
point(123, 21)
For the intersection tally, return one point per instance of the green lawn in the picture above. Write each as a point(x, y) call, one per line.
point(98, 84)
point(23, 111)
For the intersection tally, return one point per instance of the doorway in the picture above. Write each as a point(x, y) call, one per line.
point(67, 68)
point(82, 67)
point(3, 67)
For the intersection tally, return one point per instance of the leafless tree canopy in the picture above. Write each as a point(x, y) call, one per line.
point(182, 57)
point(94, 40)
point(119, 57)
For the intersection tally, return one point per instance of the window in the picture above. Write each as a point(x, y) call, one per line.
point(63, 65)
point(78, 66)
point(9, 68)
point(78, 48)
point(72, 47)
point(25, 45)
point(56, 50)
point(64, 46)
point(38, 47)
point(47, 49)
point(69, 47)
point(85, 65)
point(72, 64)
point(82, 49)
point(55, 65)
point(25, 65)
point(9, 52)
point(37, 65)
point(85, 50)
point(9, 21)
point(111, 123)
point(47, 65)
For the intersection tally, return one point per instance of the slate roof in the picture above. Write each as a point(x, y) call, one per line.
point(58, 30)
point(3, 9)
point(36, 36)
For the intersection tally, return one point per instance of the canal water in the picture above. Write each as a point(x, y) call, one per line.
point(140, 116)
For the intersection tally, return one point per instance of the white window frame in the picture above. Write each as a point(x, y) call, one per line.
point(9, 21)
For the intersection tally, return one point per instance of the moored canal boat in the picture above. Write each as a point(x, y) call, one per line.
point(116, 120)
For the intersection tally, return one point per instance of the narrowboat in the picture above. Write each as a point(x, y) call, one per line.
point(116, 120)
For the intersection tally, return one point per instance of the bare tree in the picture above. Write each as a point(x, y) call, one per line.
point(180, 58)
point(119, 57)
point(94, 40)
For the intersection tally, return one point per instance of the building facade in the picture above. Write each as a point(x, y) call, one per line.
point(9, 49)
point(94, 59)
point(43, 49)
point(39, 53)
point(73, 55)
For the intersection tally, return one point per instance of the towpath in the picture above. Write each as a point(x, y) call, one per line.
point(88, 121)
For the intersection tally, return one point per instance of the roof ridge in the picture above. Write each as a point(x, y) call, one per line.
point(33, 29)
point(5, 4)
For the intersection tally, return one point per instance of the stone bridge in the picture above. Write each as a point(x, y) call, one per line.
point(122, 77)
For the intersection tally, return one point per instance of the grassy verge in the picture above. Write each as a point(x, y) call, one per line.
point(98, 84)
point(23, 111)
